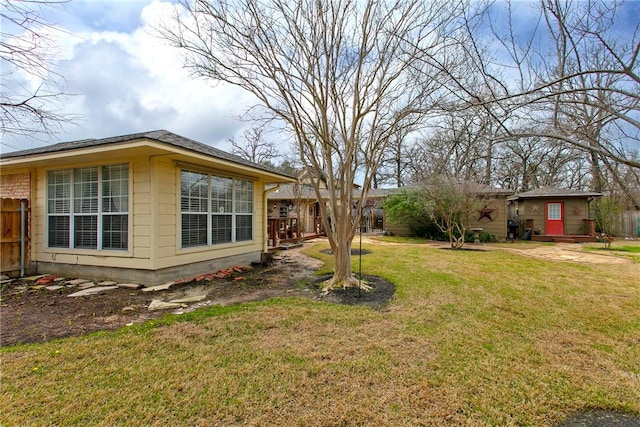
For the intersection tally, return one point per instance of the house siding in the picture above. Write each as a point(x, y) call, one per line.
point(576, 210)
point(141, 200)
point(397, 229)
point(167, 200)
point(139, 233)
point(497, 227)
point(153, 253)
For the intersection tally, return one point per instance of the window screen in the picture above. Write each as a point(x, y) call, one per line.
point(88, 208)
point(215, 209)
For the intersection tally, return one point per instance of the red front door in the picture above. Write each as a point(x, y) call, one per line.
point(555, 218)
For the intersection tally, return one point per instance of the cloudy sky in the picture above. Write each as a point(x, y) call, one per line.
point(125, 80)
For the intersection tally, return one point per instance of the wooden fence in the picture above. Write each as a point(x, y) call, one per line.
point(630, 224)
point(14, 222)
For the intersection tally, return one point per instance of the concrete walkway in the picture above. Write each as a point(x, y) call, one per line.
point(571, 252)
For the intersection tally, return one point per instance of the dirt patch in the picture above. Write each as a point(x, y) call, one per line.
point(31, 314)
point(601, 418)
point(353, 251)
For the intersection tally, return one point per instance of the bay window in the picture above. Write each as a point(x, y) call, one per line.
point(87, 208)
point(215, 209)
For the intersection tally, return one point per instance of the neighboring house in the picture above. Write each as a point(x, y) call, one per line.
point(554, 214)
point(146, 208)
point(493, 216)
point(491, 219)
point(294, 209)
point(294, 213)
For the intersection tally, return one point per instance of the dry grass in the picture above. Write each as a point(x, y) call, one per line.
point(473, 338)
point(624, 248)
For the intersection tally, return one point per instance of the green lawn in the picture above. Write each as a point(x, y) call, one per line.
point(625, 248)
point(473, 338)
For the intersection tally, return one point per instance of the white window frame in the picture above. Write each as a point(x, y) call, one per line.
point(554, 211)
point(73, 211)
point(238, 208)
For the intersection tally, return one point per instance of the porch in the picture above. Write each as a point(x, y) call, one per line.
point(285, 231)
point(589, 235)
point(567, 238)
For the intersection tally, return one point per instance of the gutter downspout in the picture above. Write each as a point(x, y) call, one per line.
point(265, 209)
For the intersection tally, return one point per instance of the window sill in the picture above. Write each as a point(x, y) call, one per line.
point(221, 246)
point(89, 252)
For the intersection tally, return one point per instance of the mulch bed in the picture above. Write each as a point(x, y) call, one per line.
point(378, 297)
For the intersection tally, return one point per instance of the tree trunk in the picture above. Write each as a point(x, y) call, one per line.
point(341, 234)
point(343, 276)
point(597, 183)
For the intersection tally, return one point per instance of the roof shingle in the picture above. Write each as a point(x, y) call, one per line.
point(554, 192)
point(161, 135)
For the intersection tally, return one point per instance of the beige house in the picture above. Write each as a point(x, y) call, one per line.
point(145, 208)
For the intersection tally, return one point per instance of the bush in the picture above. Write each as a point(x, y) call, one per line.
point(483, 236)
point(428, 230)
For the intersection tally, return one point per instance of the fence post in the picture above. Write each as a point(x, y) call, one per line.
point(22, 236)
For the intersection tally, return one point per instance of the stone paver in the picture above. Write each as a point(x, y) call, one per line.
point(161, 305)
point(76, 282)
point(195, 298)
point(107, 283)
point(162, 287)
point(86, 285)
point(92, 291)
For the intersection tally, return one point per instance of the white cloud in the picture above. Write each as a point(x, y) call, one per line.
point(126, 82)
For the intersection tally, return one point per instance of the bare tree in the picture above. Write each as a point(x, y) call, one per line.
point(343, 76)
point(459, 147)
point(587, 81)
point(31, 90)
point(450, 203)
point(584, 105)
point(395, 163)
point(527, 163)
point(255, 148)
